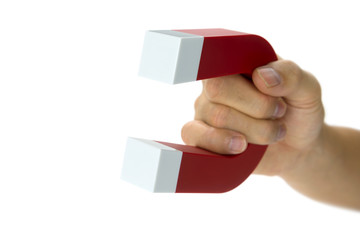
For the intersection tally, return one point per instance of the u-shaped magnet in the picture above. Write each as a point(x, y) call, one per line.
point(179, 56)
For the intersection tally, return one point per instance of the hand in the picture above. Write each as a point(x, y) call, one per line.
point(282, 107)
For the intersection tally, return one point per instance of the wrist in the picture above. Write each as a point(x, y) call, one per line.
point(315, 155)
point(314, 172)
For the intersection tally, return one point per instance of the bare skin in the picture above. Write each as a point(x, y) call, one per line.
point(282, 108)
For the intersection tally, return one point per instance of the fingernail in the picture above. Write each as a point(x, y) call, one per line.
point(281, 132)
point(270, 77)
point(280, 109)
point(237, 144)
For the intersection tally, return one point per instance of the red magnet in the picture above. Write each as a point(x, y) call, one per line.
point(180, 56)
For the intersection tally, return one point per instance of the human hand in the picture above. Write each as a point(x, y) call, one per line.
point(282, 108)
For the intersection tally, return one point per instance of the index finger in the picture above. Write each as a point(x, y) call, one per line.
point(240, 93)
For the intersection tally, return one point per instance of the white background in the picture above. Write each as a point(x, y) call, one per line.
point(70, 96)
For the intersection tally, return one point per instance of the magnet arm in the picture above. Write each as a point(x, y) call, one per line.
point(181, 56)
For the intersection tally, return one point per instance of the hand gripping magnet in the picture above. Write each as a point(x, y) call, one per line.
point(179, 56)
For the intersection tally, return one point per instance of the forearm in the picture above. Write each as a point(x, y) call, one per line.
point(330, 172)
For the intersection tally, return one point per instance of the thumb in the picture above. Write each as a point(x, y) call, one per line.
point(285, 79)
point(302, 93)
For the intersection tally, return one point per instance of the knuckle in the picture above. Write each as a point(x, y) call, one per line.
point(213, 140)
point(184, 132)
point(209, 136)
point(219, 116)
point(300, 80)
point(197, 103)
point(314, 84)
point(294, 70)
point(267, 133)
point(212, 88)
point(292, 66)
point(263, 106)
point(201, 107)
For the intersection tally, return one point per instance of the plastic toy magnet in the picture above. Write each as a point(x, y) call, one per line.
point(181, 56)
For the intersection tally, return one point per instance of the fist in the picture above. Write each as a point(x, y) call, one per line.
point(281, 107)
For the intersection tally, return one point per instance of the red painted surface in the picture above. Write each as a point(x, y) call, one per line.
point(202, 171)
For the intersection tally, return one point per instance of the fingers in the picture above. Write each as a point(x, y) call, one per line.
point(232, 111)
point(220, 140)
point(223, 141)
point(286, 79)
point(240, 93)
point(302, 94)
point(259, 131)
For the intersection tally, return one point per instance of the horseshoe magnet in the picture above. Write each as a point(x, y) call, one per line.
point(179, 56)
